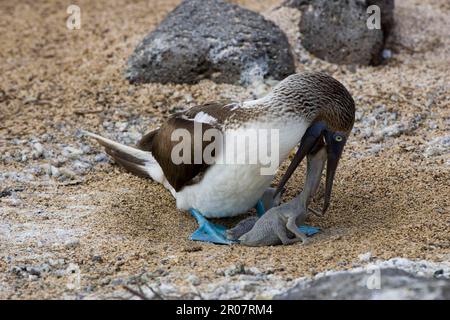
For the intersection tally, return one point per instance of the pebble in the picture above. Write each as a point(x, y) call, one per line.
point(193, 279)
point(86, 149)
point(17, 270)
point(121, 126)
point(375, 149)
point(80, 167)
point(429, 102)
point(34, 271)
point(45, 267)
point(56, 262)
point(53, 171)
point(117, 282)
point(72, 243)
point(60, 273)
point(365, 257)
point(23, 157)
point(71, 152)
point(438, 273)
point(66, 174)
point(97, 258)
point(32, 277)
point(38, 150)
point(234, 270)
point(101, 157)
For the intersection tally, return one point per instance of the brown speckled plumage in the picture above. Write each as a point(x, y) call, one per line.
point(316, 96)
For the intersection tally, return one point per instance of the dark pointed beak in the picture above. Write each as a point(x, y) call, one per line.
point(311, 138)
point(334, 152)
point(312, 141)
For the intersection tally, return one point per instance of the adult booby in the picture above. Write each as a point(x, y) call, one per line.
point(313, 109)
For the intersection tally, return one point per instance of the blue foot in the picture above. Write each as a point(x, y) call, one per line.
point(207, 231)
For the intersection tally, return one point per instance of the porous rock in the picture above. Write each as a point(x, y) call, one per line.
point(211, 39)
point(337, 31)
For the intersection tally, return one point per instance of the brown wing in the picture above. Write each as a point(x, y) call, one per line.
point(159, 142)
point(146, 142)
point(219, 110)
point(178, 175)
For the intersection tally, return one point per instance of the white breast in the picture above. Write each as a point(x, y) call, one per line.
point(231, 189)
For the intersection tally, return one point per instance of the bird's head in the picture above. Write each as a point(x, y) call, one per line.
point(330, 109)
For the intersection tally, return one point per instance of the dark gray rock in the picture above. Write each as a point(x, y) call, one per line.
point(337, 31)
point(394, 284)
point(211, 39)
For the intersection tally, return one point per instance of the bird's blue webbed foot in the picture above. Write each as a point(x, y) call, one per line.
point(215, 233)
point(208, 231)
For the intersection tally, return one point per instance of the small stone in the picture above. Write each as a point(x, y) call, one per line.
point(234, 270)
point(32, 277)
point(101, 157)
point(34, 271)
point(80, 166)
point(56, 262)
point(38, 150)
point(117, 282)
point(429, 102)
point(45, 268)
point(365, 257)
point(86, 149)
point(66, 174)
point(53, 171)
point(60, 273)
point(72, 153)
point(71, 244)
point(97, 258)
point(438, 273)
point(193, 279)
point(192, 248)
point(18, 271)
point(121, 126)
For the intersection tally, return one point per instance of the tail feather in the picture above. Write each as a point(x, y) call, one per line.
point(134, 168)
point(132, 159)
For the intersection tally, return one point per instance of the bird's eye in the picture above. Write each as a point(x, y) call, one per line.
point(338, 138)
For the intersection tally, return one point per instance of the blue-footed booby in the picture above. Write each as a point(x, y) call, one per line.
point(312, 109)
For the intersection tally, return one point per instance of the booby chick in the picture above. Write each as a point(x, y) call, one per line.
point(280, 224)
point(277, 226)
point(314, 103)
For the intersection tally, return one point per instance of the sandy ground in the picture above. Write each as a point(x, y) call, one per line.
point(73, 225)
